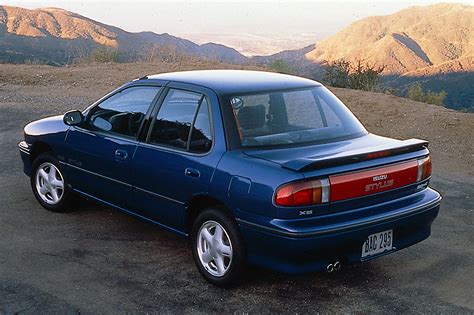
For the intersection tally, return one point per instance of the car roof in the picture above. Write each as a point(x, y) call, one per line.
point(237, 81)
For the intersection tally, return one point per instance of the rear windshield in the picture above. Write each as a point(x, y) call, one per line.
point(293, 117)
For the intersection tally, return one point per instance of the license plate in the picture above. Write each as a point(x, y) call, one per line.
point(377, 243)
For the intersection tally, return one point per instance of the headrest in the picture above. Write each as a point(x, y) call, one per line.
point(252, 117)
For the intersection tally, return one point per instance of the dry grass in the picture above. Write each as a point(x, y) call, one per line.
point(97, 74)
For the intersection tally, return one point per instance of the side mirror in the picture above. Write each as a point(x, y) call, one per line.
point(73, 118)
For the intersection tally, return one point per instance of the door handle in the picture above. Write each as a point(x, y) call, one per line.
point(121, 154)
point(192, 172)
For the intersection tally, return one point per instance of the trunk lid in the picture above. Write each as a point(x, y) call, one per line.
point(302, 159)
point(355, 168)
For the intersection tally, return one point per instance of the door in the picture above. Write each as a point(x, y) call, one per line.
point(178, 159)
point(99, 153)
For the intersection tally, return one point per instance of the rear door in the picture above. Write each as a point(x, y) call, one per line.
point(179, 156)
point(100, 151)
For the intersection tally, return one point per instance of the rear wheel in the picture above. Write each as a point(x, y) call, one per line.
point(48, 183)
point(218, 250)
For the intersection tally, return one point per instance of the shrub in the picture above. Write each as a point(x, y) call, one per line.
point(104, 54)
point(416, 93)
point(279, 65)
point(365, 76)
point(359, 76)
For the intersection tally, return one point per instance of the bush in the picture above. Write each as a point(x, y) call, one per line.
point(359, 76)
point(104, 54)
point(416, 93)
point(281, 66)
point(337, 73)
point(154, 52)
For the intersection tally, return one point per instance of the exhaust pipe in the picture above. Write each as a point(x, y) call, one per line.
point(333, 267)
point(330, 268)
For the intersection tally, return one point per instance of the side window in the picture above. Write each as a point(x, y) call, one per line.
point(123, 113)
point(181, 113)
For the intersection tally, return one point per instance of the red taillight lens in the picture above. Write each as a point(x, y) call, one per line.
point(424, 168)
point(304, 193)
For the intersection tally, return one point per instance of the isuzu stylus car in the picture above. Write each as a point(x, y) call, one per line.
point(253, 167)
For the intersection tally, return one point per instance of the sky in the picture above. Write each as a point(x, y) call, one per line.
point(201, 21)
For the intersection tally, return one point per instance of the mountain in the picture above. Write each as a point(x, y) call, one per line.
point(411, 39)
point(57, 36)
point(430, 45)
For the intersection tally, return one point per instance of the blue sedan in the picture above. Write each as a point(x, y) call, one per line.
point(253, 167)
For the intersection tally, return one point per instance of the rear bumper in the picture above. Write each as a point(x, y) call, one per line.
point(304, 245)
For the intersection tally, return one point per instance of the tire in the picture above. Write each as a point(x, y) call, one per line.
point(47, 185)
point(230, 248)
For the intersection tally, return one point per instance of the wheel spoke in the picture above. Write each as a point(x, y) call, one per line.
point(43, 174)
point(206, 257)
point(57, 184)
point(43, 190)
point(218, 233)
point(220, 264)
point(226, 250)
point(54, 195)
point(52, 174)
point(207, 236)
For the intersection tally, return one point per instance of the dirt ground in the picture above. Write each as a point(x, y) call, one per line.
point(96, 260)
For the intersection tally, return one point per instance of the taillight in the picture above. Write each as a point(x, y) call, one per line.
point(303, 193)
point(424, 168)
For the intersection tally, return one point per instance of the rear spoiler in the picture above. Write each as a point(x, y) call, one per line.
point(358, 155)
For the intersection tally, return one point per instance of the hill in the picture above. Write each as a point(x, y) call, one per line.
point(57, 36)
point(414, 38)
point(429, 45)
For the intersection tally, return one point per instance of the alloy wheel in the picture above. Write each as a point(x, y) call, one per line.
point(49, 183)
point(214, 248)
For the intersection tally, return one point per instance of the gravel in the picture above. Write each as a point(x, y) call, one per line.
point(96, 260)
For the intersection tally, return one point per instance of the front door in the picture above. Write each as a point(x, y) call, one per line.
point(99, 153)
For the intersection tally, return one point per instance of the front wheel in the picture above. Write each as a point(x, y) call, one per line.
point(49, 185)
point(218, 250)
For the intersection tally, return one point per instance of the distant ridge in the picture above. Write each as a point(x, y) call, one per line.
point(57, 36)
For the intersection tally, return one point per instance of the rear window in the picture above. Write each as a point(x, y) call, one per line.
point(293, 117)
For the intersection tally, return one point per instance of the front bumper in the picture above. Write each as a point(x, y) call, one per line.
point(305, 245)
point(25, 152)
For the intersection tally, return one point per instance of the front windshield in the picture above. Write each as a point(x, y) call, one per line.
point(293, 117)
